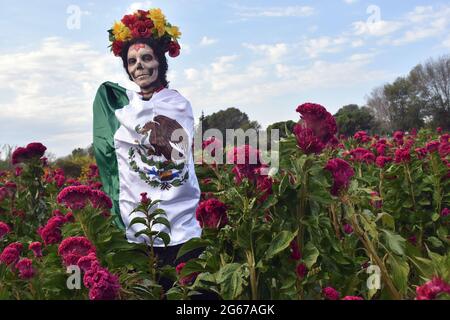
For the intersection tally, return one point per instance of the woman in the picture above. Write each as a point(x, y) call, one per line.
point(142, 141)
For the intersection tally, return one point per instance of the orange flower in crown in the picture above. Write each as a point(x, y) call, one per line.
point(145, 24)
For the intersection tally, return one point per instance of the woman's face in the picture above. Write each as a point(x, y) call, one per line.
point(142, 65)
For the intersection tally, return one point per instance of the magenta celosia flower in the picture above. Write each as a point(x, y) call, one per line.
point(264, 187)
point(69, 217)
point(413, 240)
point(377, 204)
point(381, 161)
point(361, 136)
point(144, 199)
point(18, 171)
point(31, 151)
point(51, 232)
point(95, 185)
point(100, 200)
point(10, 255)
point(102, 284)
point(402, 155)
point(212, 214)
point(87, 262)
point(398, 137)
point(330, 293)
point(439, 130)
point(444, 213)
point(295, 251)
point(348, 229)
point(432, 146)
point(74, 197)
point(73, 248)
point(4, 229)
point(246, 159)
point(362, 155)
point(444, 149)
point(25, 267)
point(93, 171)
point(342, 173)
point(212, 144)
point(421, 152)
point(36, 247)
point(352, 298)
point(432, 289)
point(301, 270)
point(316, 129)
point(59, 180)
point(187, 280)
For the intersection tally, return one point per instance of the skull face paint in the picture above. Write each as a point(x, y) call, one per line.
point(142, 65)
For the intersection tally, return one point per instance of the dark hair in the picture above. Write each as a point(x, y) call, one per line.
point(158, 47)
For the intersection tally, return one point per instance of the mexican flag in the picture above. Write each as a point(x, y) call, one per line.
point(145, 146)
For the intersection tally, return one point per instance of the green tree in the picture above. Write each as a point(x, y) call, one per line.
point(352, 118)
point(285, 128)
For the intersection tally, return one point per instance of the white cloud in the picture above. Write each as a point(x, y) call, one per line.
point(50, 90)
point(350, 1)
point(287, 11)
point(207, 41)
point(142, 5)
point(272, 52)
point(375, 28)
point(191, 74)
point(313, 47)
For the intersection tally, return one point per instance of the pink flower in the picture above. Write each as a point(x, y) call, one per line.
point(59, 180)
point(398, 137)
point(102, 284)
point(264, 187)
point(246, 160)
point(51, 232)
point(352, 298)
point(421, 152)
point(144, 199)
point(381, 161)
point(74, 197)
point(402, 155)
point(362, 137)
point(36, 247)
point(73, 248)
point(362, 155)
point(11, 254)
point(100, 200)
point(432, 146)
point(316, 129)
point(93, 171)
point(18, 171)
point(348, 229)
point(4, 229)
point(25, 267)
point(431, 289)
point(212, 214)
point(330, 293)
point(301, 270)
point(187, 279)
point(31, 151)
point(87, 262)
point(439, 130)
point(342, 173)
point(295, 251)
point(213, 144)
point(444, 213)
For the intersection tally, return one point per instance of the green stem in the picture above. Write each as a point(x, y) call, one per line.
point(411, 188)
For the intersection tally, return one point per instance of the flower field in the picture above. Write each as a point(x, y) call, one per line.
point(351, 218)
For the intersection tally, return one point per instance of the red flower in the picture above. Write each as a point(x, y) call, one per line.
point(301, 270)
point(444, 213)
point(362, 155)
point(402, 155)
point(73, 248)
point(348, 229)
point(51, 232)
point(187, 279)
point(100, 200)
point(144, 199)
point(174, 49)
point(214, 143)
point(142, 29)
point(212, 214)
point(18, 171)
point(11, 254)
point(295, 251)
point(263, 186)
point(362, 137)
point(352, 298)
point(4, 229)
point(36, 247)
point(102, 284)
point(431, 289)
point(421, 152)
point(246, 160)
point(25, 267)
point(398, 137)
point(117, 47)
point(439, 130)
point(31, 151)
point(74, 197)
point(381, 161)
point(432, 146)
point(342, 172)
point(87, 262)
point(93, 171)
point(322, 124)
point(330, 293)
point(129, 20)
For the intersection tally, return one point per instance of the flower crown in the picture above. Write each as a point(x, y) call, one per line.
point(145, 24)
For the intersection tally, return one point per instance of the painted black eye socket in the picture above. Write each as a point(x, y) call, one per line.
point(147, 57)
point(131, 61)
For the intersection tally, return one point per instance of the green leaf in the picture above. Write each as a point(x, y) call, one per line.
point(435, 242)
point(164, 237)
point(279, 243)
point(230, 278)
point(191, 245)
point(138, 220)
point(310, 255)
point(435, 217)
point(399, 272)
point(162, 220)
point(395, 242)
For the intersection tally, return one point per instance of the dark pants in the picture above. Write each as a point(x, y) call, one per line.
point(167, 256)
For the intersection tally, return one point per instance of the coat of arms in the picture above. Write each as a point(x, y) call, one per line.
point(163, 151)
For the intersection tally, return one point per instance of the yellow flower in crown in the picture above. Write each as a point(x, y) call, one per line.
point(174, 32)
point(159, 20)
point(145, 24)
point(121, 32)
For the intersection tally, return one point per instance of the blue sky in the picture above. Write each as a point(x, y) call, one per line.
point(264, 57)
